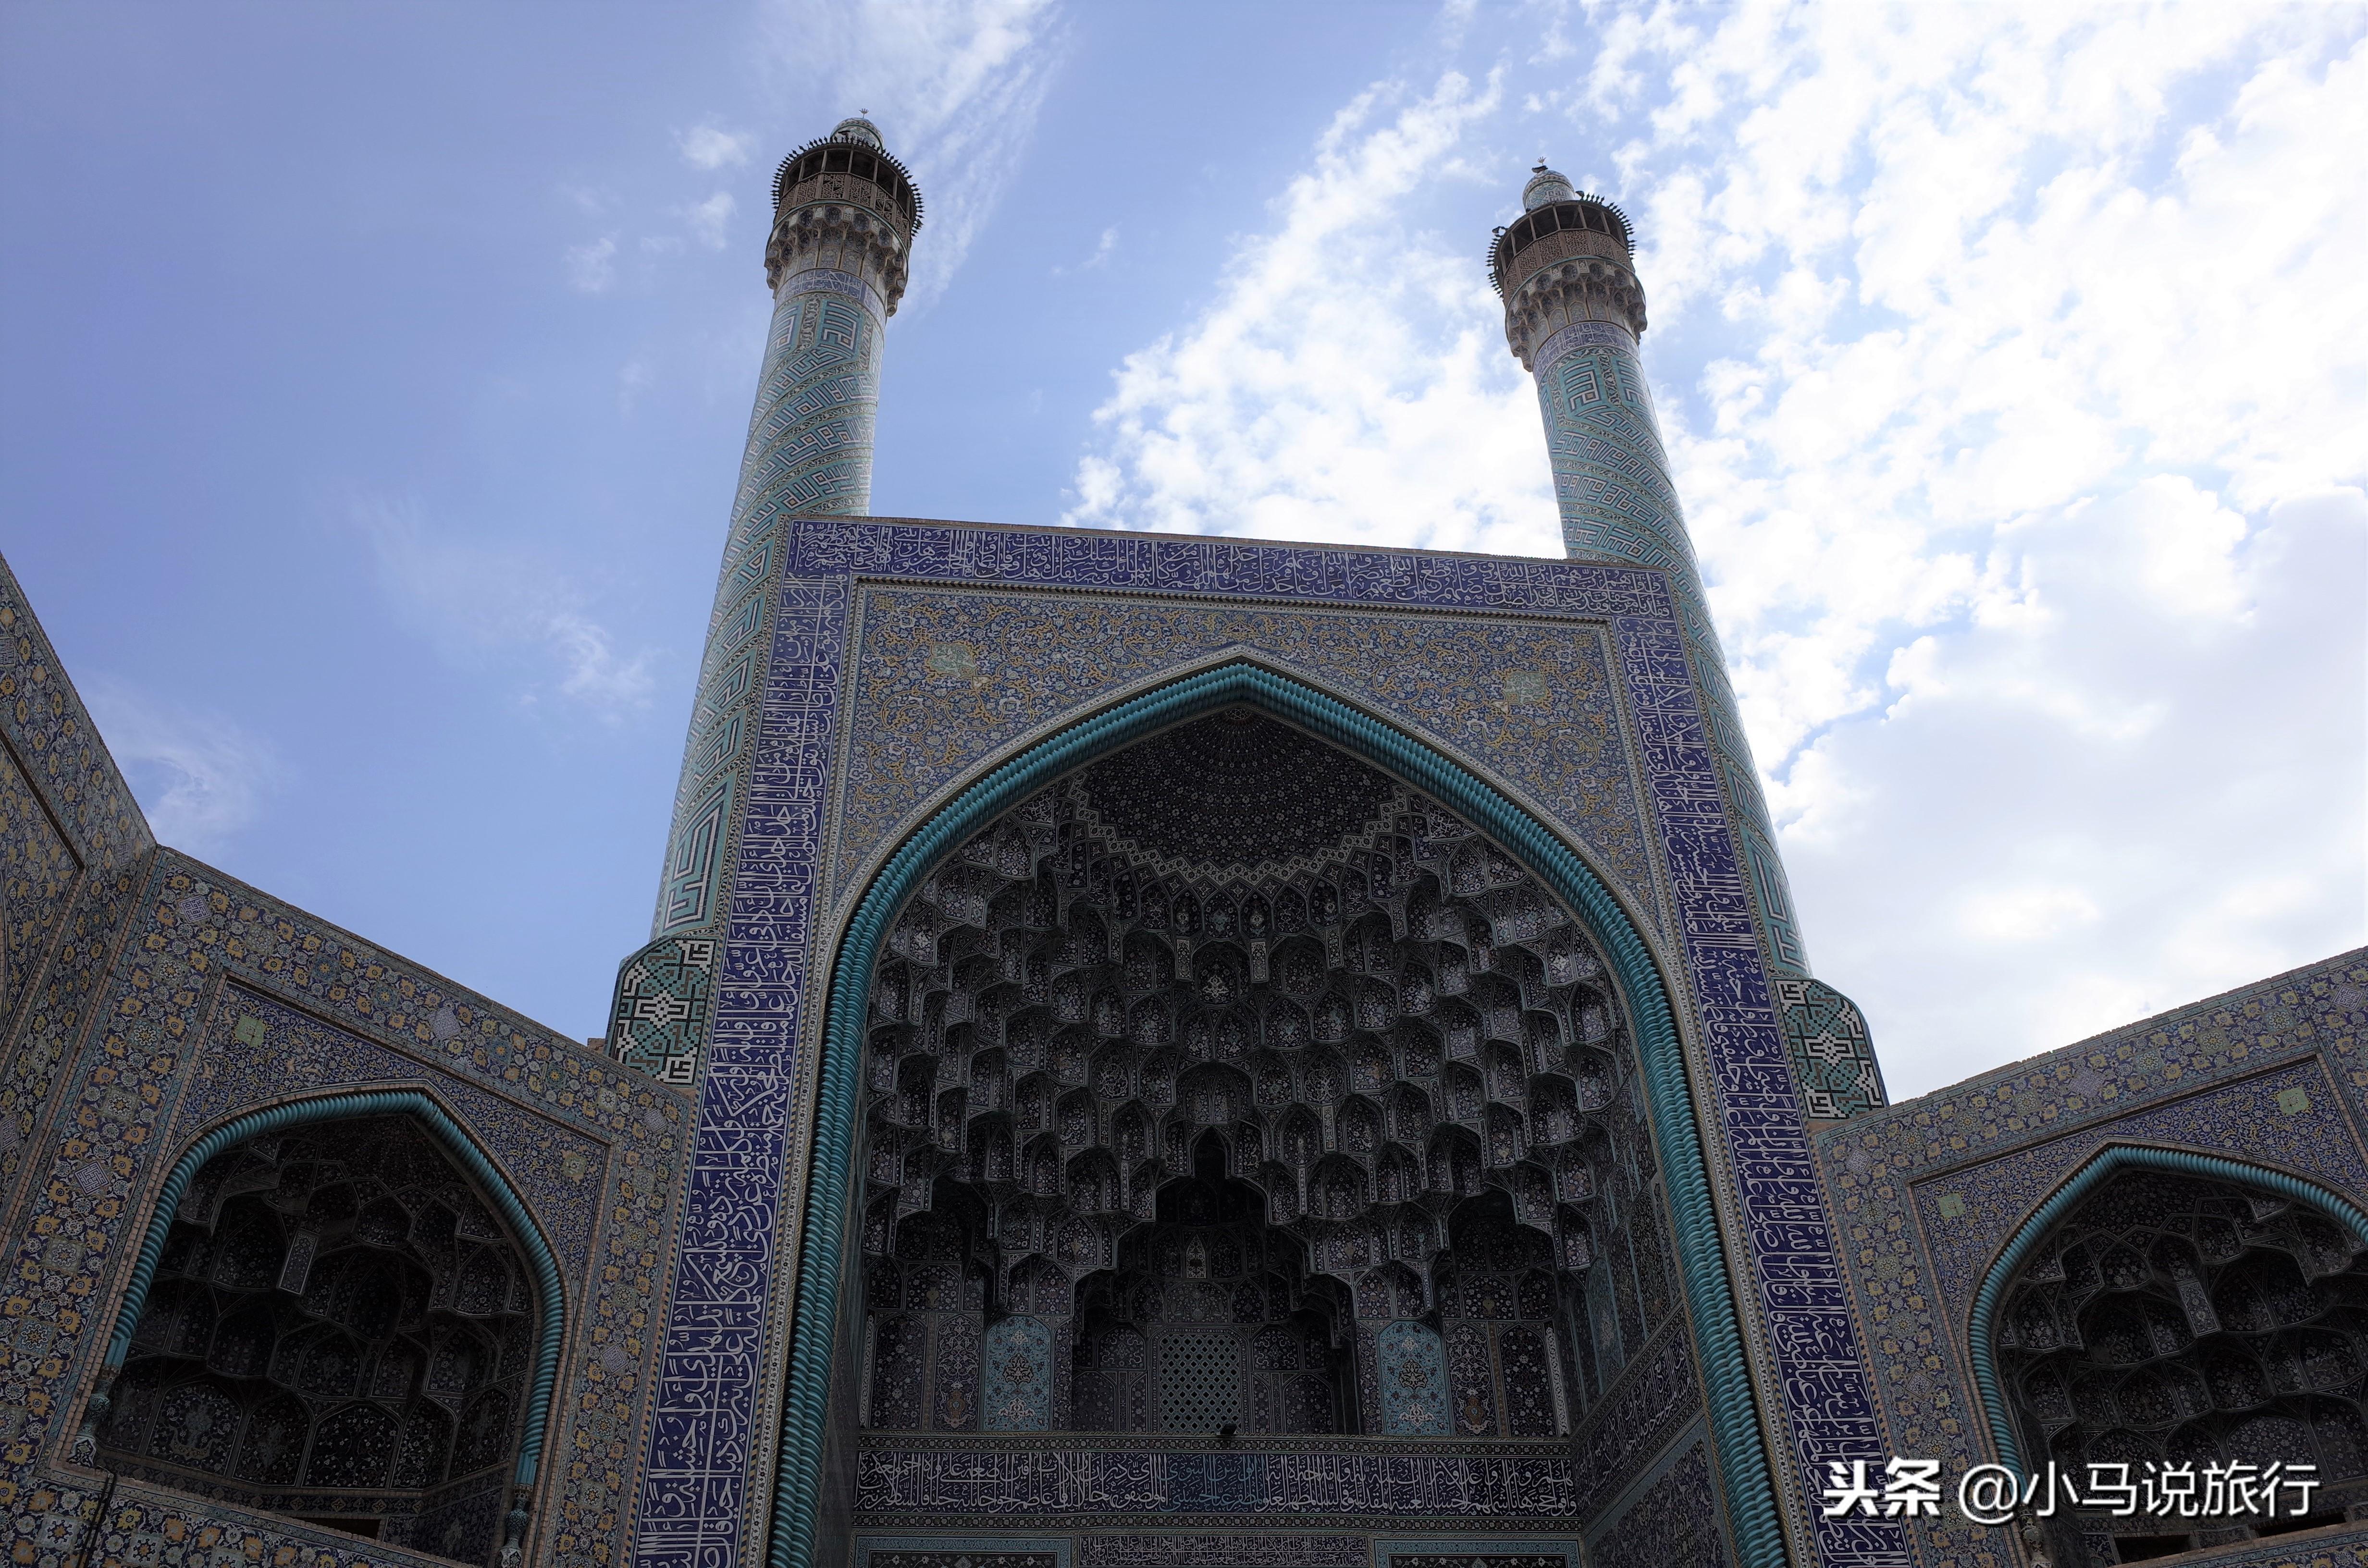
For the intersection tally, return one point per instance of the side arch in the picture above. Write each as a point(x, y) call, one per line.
point(550, 1311)
point(1734, 1417)
point(2100, 1167)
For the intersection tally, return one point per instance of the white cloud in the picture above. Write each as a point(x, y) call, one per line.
point(632, 382)
point(2010, 363)
point(708, 218)
point(2062, 821)
point(2031, 912)
point(590, 199)
point(473, 599)
point(1350, 381)
point(1104, 249)
point(710, 147)
point(592, 267)
point(2023, 386)
point(954, 86)
point(199, 777)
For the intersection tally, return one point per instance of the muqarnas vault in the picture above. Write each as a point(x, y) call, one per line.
point(1153, 1053)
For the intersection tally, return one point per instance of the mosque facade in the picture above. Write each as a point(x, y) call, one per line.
point(1153, 1053)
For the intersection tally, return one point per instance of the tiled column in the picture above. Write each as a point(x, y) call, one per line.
point(1573, 312)
point(844, 215)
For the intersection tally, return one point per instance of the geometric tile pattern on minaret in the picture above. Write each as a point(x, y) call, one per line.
point(844, 215)
point(1573, 310)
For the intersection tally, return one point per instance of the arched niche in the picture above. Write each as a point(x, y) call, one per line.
point(2165, 1309)
point(1210, 1321)
point(1216, 1056)
point(341, 1314)
point(1085, 1127)
point(1507, 1310)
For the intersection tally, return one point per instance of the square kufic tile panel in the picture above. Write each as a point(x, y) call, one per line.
point(720, 1369)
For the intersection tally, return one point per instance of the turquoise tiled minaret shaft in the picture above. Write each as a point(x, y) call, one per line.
point(844, 217)
point(1573, 310)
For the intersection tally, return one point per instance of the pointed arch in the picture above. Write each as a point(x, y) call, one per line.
point(1733, 1408)
point(550, 1306)
point(2100, 1167)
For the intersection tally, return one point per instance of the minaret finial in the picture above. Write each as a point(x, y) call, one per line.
point(1567, 258)
point(845, 196)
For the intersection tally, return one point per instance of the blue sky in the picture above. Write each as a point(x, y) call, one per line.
point(373, 377)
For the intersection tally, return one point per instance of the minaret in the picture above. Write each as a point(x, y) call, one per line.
point(843, 216)
point(1573, 310)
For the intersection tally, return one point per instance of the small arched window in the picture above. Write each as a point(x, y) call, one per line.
point(341, 1330)
point(2176, 1319)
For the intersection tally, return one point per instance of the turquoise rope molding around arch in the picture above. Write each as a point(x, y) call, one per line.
point(550, 1302)
point(1734, 1416)
point(2027, 1236)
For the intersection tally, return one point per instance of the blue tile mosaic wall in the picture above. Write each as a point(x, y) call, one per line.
point(963, 1551)
point(1016, 1376)
point(1801, 1298)
point(1656, 1398)
point(170, 998)
point(1833, 1054)
point(1927, 1191)
point(69, 842)
point(709, 1429)
point(1411, 1364)
point(1295, 1551)
point(1465, 1551)
point(2345, 1549)
point(1673, 1519)
point(658, 1016)
point(941, 676)
point(56, 745)
point(1166, 1549)
point(36, 877)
